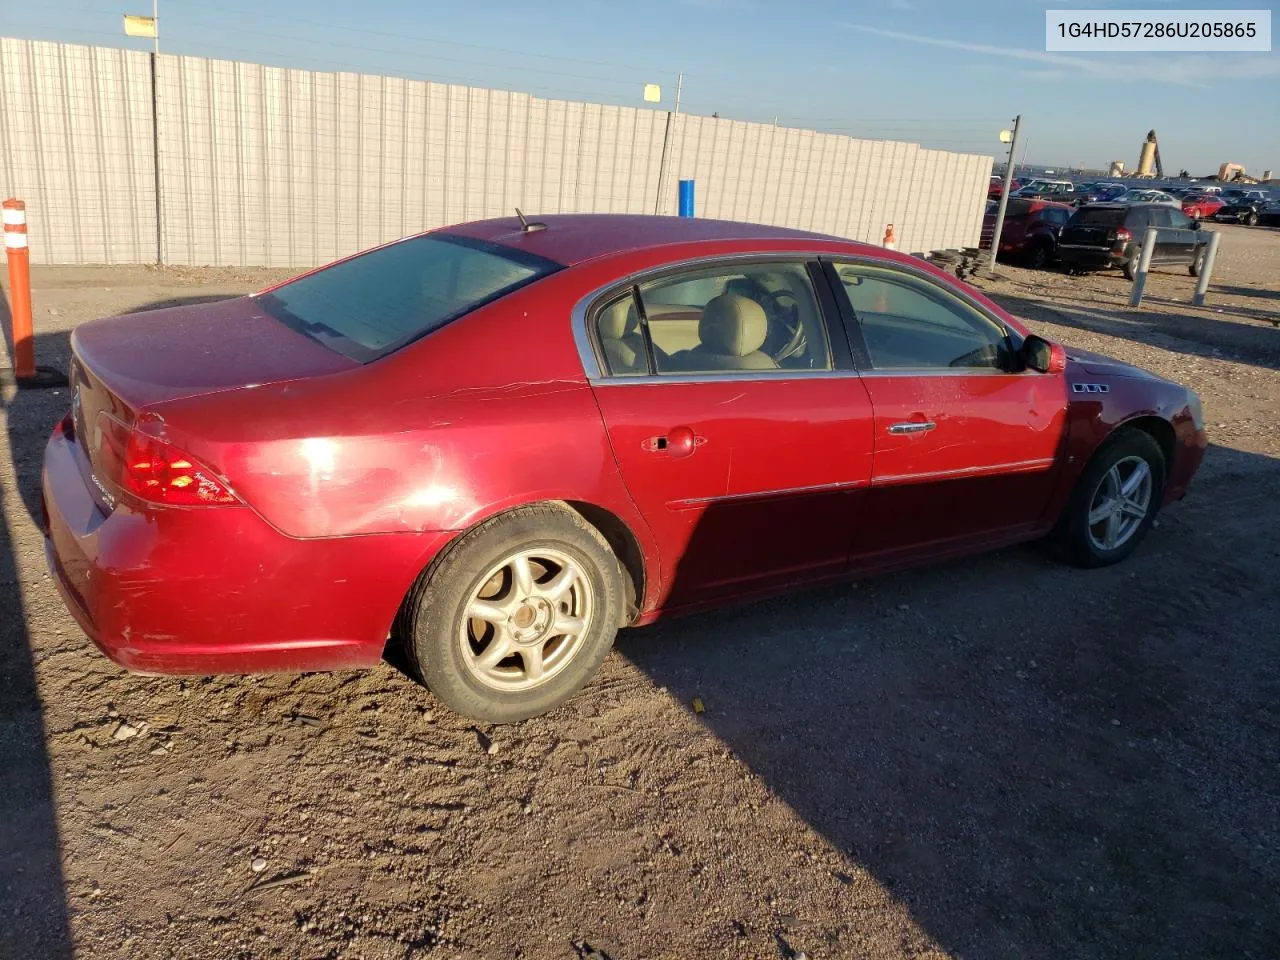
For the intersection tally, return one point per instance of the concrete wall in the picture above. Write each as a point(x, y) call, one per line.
point(277, 167)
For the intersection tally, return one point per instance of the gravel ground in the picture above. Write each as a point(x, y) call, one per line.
point(998, 758)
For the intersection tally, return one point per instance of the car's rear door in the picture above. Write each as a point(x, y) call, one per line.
point(749, 470)
point(1181, 237)
point(966, 447)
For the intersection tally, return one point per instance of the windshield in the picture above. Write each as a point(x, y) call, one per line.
point(374, 303)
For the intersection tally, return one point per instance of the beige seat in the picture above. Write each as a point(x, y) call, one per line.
point(621, 340)
point(731, 331)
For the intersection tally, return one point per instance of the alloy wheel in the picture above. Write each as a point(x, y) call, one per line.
point(526, 620)
point(1120, 503)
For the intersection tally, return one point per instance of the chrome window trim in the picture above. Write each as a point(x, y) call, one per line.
point(582, 311)
point(737, 376)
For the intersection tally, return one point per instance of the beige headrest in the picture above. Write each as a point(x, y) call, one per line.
point(732, 325)
point(619, 320)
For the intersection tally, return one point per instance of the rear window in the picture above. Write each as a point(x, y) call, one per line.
point(374, 303)
point(1097, 216)
point(1016, 208)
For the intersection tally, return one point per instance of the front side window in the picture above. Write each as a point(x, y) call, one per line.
point(910, 323)
point(719, 319)
point(374, 303)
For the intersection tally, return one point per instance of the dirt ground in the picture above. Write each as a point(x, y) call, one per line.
point(996, 758)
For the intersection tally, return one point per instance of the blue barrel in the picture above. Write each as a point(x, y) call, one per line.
point(686, 198)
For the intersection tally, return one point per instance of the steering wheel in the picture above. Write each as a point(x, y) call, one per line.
point(784, 307)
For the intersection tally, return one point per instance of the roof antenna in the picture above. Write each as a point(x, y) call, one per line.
point(528, 226)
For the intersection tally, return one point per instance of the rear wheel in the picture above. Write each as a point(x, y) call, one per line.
point(1197, 265)
point(513, 619)
point(1130, 266)
point(1114, 502)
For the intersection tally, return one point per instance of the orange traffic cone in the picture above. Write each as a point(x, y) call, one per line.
point(890, 242)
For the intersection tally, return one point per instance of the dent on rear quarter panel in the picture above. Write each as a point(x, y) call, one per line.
point(486, 413)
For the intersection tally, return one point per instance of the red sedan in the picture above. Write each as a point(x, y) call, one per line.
point(1201, 206)
point(500, 442)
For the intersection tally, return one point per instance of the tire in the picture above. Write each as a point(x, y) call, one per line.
point(1197, 264)
point(1130, 266)
point(1038, 258)
point(1086, 545)
point(446, 647)
point(1251, 219)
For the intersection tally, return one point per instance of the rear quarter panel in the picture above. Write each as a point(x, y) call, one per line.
point(488, 412)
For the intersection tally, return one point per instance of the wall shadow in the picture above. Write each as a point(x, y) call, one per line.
point(1037, 761)
point(34, 920)
point(1174, 330)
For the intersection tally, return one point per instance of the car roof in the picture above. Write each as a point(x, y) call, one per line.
point(574, 238)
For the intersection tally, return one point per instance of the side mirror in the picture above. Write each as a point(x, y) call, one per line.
point(1195, 224)
point(1041, 355)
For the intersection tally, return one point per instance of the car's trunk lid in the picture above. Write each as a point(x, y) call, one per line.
point(123, 365)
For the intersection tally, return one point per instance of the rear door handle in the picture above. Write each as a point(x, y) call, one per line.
point(912, 426)
point(679, 443)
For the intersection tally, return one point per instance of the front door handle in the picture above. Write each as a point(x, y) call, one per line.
point(912, 426)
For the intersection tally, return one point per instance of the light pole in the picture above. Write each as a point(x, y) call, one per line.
point(1004, 194)
point(140, 26)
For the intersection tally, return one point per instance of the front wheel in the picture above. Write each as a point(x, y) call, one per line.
point(516, 617)
point(1251, 219)
point(1114, 502)
point(1197, 265)
point(1038, 258)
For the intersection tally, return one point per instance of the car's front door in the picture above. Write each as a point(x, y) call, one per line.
point(741, 434)
point(966, 444)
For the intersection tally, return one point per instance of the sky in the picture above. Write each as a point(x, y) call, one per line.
point(943, 73)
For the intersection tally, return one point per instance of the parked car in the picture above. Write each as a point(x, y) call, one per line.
point(1241, 206)
point(1040, 189)
point(1030, 231)
point(1148, 196)
point(1092, 193)
point(1110, 235)
point(1270, 214)
point(996, 187)
point(1199, 206)
point(498, 442)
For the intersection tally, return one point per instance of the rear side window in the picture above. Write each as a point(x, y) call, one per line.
point(1139, 218)
point(374, 303)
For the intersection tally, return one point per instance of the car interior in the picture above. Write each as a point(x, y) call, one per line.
point(753, 318)
point(768, 319)
point(909, 324)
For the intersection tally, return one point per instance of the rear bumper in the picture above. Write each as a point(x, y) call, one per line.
point(1099, 258)
point(210, 590)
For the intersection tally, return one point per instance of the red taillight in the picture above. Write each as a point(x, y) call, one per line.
point(1122, 233)
point(161, 473)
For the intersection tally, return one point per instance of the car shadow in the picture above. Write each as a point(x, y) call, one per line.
point(1256, 292)
point(1172, 329)
point(34, 920)
point(1035, 760)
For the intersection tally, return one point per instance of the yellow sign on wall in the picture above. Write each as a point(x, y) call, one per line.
point(139, 26)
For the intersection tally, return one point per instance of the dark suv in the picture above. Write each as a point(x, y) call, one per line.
point(1106, 235)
